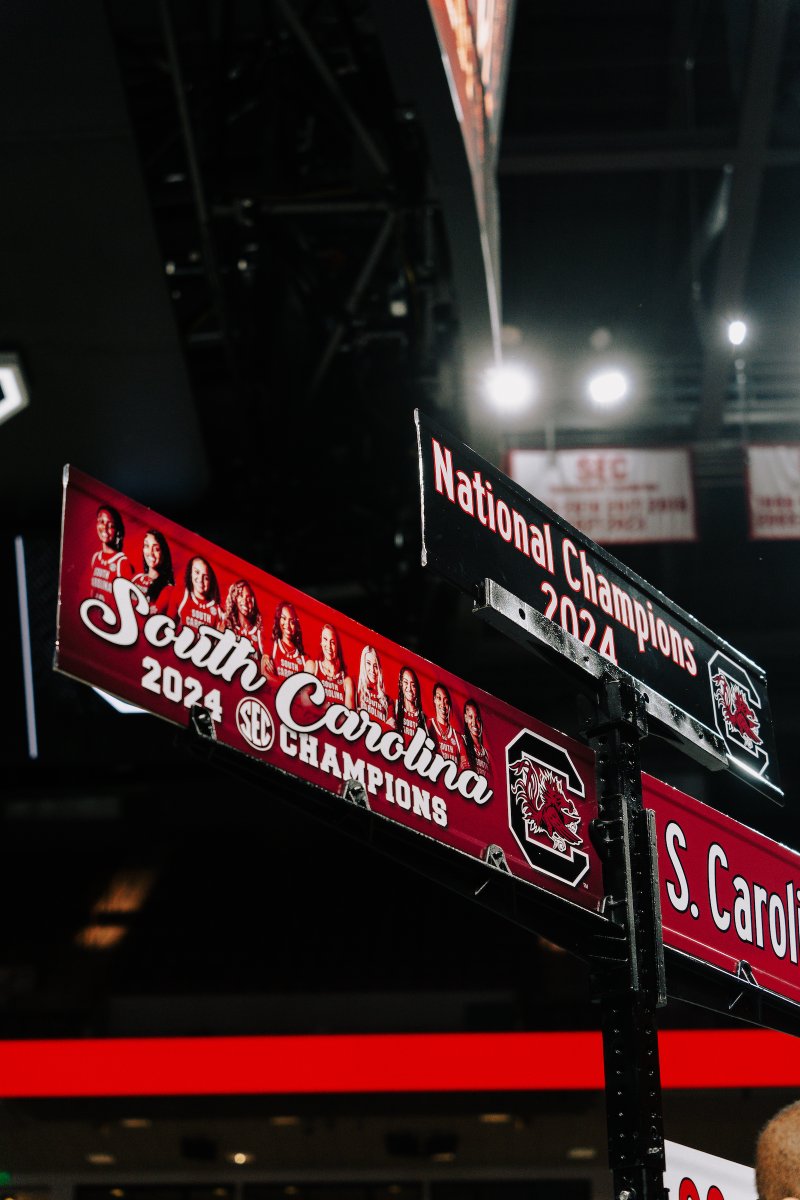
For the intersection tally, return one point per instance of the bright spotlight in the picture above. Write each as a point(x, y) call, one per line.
point(607, 388)
point(13, 390)
point(510, 388)
point(737, 332)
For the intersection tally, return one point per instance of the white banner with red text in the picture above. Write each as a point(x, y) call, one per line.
point(694, 1175)
point(773, 492)
point(614, 496)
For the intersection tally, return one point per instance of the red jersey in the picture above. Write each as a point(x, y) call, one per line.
point(105, 569)
point(483, 763)
point(333, 684)
point(408, 724)
point(449, 743)
point(286, 663)
point(198, 613)
point(376, 704)
point(162, 601)
point(253, 635)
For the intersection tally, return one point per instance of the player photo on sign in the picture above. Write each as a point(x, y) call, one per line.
point(307, 691)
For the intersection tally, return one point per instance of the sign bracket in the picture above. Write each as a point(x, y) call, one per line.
point(629, 992)
point(512, 616)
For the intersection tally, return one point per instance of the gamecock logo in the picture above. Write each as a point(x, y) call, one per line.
point(737, 712)
point(545, 808)
point(736, 715)
point(543, 785)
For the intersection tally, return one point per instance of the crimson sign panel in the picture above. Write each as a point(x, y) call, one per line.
point(478, 524)
point(164, 619)
point(730, 897)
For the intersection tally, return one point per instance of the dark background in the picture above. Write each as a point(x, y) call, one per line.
point(206, 216)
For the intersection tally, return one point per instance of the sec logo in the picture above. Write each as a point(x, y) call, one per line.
point(255, 723)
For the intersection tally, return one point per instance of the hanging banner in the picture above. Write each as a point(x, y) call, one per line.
point(693, 1175)
point(773, 492)
point(478, 525)
point(613, 496)
point(165, 620)
point(730, 897)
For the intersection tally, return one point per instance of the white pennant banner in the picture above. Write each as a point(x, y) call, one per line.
point(693, 1175)
point(773, 490)
point(614, 495)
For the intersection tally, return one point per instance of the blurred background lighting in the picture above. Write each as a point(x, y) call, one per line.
point(241, 1158)
point(13, 389)
point(509, 387)
point(608, 387)
point(737, 332)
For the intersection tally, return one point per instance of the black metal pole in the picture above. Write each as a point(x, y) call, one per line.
point(629, 991)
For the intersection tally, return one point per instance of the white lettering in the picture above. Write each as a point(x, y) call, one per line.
point(676, 837)
point(716, 854)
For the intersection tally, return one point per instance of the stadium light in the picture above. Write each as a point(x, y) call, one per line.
point(737, 332)
point(510, 387)
point(608, 387)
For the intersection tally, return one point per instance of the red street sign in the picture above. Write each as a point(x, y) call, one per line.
point(165, 619)
point(730, 897)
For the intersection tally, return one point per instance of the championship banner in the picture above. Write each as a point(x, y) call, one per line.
point(478, 525)
point(166, 620)
point(773, 492)
point(693, 1175)
point(613, 496)
point(730, 897)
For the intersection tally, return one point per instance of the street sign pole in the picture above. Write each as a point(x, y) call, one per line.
point(629, 992)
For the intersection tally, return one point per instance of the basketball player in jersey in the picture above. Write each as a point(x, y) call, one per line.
point(109, 562)
point(330, 669)
point(200, 605)
point(242, 616)
point(155, 578)
point(477, 754)
point(287, 655)
point(408, 714)
point(371, 692)
point(449, 742)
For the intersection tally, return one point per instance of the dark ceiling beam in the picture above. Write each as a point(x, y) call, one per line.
point(613, 158)
point(672, 185)
point(357, 126)
point(766, 43)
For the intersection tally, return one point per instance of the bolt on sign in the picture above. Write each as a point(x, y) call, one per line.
point(478, 526)
point(166, 620)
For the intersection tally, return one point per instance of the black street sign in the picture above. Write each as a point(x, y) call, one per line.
point(479, 528)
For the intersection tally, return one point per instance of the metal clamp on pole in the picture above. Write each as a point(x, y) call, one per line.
point(629, 991)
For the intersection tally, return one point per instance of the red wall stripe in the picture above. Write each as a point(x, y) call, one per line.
point(452, 1062)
